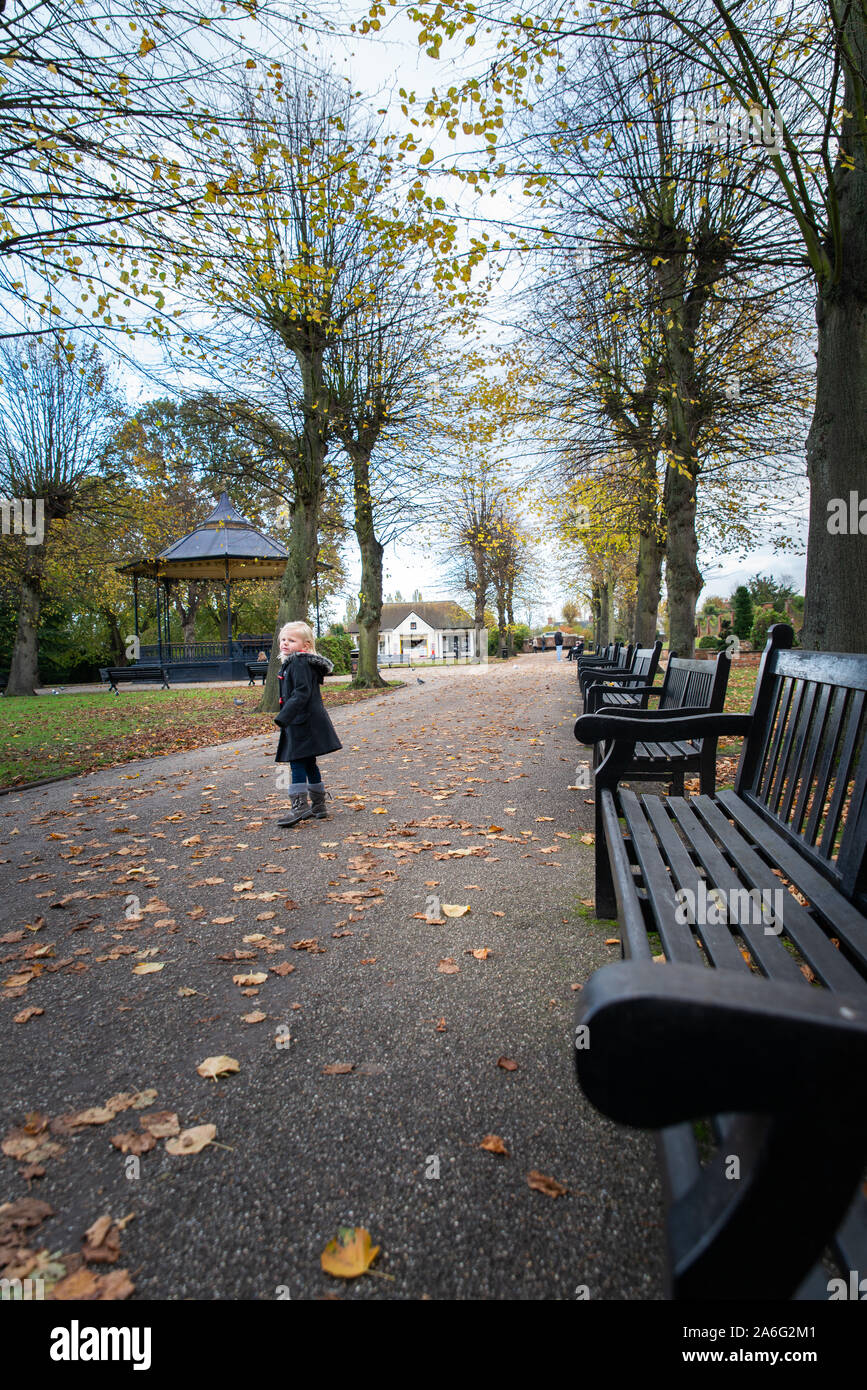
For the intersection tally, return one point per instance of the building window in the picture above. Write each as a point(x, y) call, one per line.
point(413, 626)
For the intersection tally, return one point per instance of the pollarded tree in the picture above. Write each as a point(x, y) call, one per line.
point(379, 374)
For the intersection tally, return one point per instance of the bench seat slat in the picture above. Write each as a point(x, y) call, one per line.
point(766, 949)
point(677, 939)
point(845, 918)
point(716, 937)
point(829, 964)
point(633, 928)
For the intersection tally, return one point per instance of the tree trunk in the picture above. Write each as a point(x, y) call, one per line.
point(118, 645)
point(188, 613)
point(604, 613)
point(510, 618)
point(648, 571)
point(293, 602)
point(24, 666)
point(501, 622)
point(370, 594)
point(683, 579)
point(651, 552)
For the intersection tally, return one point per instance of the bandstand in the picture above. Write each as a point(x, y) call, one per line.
point(225, 547)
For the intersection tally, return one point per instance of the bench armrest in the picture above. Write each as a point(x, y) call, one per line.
point(713, 1042)
point(653, 726)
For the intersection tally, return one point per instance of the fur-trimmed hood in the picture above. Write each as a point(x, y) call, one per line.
point(321, 665)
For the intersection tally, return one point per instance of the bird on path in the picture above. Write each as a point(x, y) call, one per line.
point(419, 680)
point(237, 702)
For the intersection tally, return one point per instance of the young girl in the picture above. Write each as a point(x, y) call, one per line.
point(306, 732)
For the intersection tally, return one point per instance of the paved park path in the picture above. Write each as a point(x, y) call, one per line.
point(425, 777)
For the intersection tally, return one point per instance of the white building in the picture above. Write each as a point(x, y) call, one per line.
point(427, 631)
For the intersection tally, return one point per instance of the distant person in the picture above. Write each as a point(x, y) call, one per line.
point(558, 644)
point(263, 656)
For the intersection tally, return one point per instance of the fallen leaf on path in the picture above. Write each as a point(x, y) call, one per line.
point(101, 1243)
point(448, 966)
point(256, 1017)
point(96, 1115)
point(507, 1064)
point(27, 1014)
point(338, 1069)
point(162, 1124)
point(350, 1254)
point(284, 968)
point(494, 1145)
point(132, 1142)
point(454, 910)
point(218, 1066)
point(588, 839)
point(481, 953)
point(150, 968)
point(192, 1141)
point(186, 993)
point(550, 1186)
point(257, 979)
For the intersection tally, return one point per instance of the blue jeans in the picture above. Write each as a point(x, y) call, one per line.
point(559, 653)
point(305, 770)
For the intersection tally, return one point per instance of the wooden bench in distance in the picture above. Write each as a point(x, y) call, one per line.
point(256, 668)
point(628, 689)
point(751, 1012)
point(129, 675)
point(688, 687)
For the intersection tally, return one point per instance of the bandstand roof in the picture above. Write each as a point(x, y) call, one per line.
point(224, 545)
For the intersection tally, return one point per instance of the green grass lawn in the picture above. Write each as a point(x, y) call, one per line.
point(55, 735)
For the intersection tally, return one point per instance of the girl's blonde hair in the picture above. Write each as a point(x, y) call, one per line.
point(301, 630)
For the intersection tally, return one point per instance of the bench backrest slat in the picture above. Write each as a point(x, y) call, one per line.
point(804, 765)
point(693, 684)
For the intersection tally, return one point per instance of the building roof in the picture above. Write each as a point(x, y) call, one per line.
point(225, 544)
point(439, 615)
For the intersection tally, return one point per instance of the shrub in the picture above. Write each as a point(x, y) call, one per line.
point(765, 618)
point(711, 644)
point(337, 646)
point(744, 613)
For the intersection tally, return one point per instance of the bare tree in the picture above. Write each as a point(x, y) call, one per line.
point(58, 414)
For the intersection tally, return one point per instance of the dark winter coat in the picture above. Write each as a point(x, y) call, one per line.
point(305, 728)
point(558, 638)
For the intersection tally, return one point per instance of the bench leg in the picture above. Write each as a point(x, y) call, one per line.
point(677, 788)
point(707, 768)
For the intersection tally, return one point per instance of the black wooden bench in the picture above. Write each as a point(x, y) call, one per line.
point(256, 668)
point(597, 670)
point(738, 1003)
point(627, 689)
point(128, 675)
point(4, 679)
point(689, 687)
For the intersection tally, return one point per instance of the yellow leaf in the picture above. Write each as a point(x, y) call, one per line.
point(453, 910)
point(350, 1254)
point(150, 969)
point(217, 1066)
point(192, 1141)
point(146, 46)
point(427, 157)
